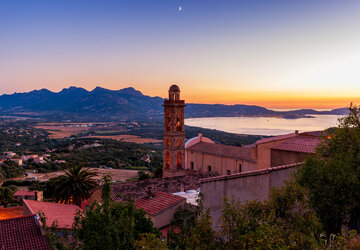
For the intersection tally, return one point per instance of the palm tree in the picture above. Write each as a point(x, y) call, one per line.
point(74, 186)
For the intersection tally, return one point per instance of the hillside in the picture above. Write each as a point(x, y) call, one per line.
point(100, 104)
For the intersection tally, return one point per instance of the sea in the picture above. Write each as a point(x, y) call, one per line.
point(270, 126)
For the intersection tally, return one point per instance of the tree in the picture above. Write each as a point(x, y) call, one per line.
point(111, 225)
point(332, 175)
point(191, 228)
point(74, 186)
point(6, 196)
point(285, 221)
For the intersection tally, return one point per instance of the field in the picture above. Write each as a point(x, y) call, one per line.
point(58, 130)
point(62, 130)
point(116, 174)
point(126, 138)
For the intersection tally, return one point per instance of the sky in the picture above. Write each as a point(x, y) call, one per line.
point(277, 54)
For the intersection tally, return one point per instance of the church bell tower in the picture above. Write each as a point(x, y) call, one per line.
point(174, 134)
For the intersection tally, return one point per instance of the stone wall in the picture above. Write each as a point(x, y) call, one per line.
point(246, 186)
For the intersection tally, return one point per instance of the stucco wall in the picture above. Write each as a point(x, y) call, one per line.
point(263, 153)
point(26, 210)
point(218, 163)
point(244, 187)
point(163, 219)
point(281, 157)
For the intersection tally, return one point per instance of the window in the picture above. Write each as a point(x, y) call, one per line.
point(178, 122)
point(179, 143)
point(167, 159)
point(240, 168)
point(209, 168)
point(192, 165)
point(168, 122)
point(179, 160)
point(228, 172)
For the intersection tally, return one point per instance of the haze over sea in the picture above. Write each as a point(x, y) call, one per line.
point(264, 125)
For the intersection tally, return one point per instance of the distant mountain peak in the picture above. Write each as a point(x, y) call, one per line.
point(99, 89)
point(73, 88)
point(130, 91)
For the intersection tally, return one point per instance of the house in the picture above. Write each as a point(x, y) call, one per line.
point(22, 233)
point(145, 158)
point(28, 195)
point(296, 149)
point(160, 207)
point(62, 214)
point(158, 197)
point(39, 159)
point(28, 157)
point(19, 162)
point(8, 154)
point(203, 155)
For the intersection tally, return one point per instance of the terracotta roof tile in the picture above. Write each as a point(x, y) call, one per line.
point(158, 203)
point(62, 213)
point(22, 233)
point(137, 190)
point(275, 138)
point(242, 153)
point(302, 144)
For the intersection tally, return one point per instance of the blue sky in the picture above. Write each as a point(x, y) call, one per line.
point(276, 53)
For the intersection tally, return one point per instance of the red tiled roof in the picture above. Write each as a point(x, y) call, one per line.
point(137, 190)
point(22, 233)
point(275, 138)
point(158, 203)
point(302, 144)
point(62, 213)
point(242, 153)
point(24, 192)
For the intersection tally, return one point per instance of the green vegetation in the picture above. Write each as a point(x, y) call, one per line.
point(111, 225)
point(332, 176)
point(10, 169)
point(74, 185)
point(285, 221)
point(6, 196)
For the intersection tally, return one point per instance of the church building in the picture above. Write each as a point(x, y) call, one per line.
point(202, 155)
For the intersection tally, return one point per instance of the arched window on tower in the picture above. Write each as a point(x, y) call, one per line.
point(179, 160)
point(178, 122)
point(167, 159)
point(168, 122)
point(167, 142)
point(179, 143)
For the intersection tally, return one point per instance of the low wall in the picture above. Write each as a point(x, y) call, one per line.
point(252, 185)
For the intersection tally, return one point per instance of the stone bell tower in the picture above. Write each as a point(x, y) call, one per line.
point(174, 134)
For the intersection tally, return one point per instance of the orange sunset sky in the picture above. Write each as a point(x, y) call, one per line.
point(277, 54)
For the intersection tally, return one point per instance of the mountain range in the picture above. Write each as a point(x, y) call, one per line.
point(100, 104)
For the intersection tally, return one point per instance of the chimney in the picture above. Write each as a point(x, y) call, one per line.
point(200, 136)
point(296, 132)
